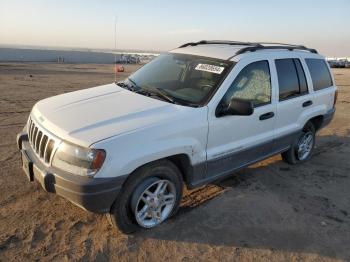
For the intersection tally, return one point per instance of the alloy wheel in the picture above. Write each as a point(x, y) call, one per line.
point(155, 203)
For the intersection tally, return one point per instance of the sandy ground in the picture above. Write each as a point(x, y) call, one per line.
point(268, 212)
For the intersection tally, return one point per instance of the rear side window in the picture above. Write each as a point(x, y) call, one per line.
point(301, 75)
point(320, 75)
point(291, 78)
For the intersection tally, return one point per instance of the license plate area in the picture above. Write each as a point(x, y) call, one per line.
point(27, 166)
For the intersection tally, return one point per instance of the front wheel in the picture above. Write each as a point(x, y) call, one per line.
point(302, 147)
point(153, 201)
point(150, 196)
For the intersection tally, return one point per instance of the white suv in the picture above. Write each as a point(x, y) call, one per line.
point(193, 115)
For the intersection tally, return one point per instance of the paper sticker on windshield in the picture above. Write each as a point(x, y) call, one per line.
point(210, 68)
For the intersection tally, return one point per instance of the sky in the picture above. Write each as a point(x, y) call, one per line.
point(162, 25)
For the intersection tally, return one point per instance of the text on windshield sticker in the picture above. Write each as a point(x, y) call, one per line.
point(210, 68)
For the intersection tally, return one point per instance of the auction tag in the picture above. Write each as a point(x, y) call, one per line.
point(210, 68)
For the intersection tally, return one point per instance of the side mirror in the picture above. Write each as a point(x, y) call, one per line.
point(239, 107)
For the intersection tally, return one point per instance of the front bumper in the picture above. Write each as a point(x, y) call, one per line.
point(92, 194)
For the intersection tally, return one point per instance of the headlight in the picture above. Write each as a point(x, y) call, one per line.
point(78, 160)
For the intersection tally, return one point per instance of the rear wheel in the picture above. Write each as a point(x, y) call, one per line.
point(150, 196)
point(302, 147)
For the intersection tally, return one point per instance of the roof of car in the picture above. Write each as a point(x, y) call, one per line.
point(227, 50)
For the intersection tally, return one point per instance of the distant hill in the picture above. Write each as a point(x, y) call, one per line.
point(35, 54)
point(66, 56)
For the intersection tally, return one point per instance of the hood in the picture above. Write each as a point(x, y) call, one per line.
point(90, 115)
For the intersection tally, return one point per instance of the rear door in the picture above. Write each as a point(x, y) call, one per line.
point(293, 99)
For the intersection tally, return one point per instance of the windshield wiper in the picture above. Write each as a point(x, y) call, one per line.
point(126, 86)
point(153, 91)
point(160, 93)
point(121, 84)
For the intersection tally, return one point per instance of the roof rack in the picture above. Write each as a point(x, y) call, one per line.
point(216, 42)
point(252, 46)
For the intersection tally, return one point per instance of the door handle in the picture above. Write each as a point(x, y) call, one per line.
point(307, 103)
point(267, 116)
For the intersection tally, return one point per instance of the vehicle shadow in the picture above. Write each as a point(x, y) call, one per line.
point(273, 206)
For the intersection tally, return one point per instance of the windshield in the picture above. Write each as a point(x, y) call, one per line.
point(187, 79)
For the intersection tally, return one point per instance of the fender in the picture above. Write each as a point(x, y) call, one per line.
point(127, 152)
point(309, 114)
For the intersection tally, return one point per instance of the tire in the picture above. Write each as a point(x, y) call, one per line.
point(291, 156)
point(122, 213)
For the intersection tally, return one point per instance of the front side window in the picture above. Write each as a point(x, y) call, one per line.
point(320, 75)
point(253, 83)
point(291, 78)
point(187, 79)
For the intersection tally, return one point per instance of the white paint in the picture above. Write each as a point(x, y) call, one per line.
point(135, 129)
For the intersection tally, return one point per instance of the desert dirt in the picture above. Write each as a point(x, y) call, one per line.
point(268, 212)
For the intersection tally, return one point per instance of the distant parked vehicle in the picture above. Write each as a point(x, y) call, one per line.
point(347, 64)
point(337, 63)
point(333, 63)
point(342, 63)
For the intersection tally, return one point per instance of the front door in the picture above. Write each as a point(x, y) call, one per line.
point(235, 141)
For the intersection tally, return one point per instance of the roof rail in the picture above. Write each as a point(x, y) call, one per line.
point(287, 47)
point(252, 46)
point(217, 42)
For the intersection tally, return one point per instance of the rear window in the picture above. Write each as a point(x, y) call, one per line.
point(321, 77)
point(291, 78)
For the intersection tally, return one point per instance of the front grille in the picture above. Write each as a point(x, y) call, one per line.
point(42, 142)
